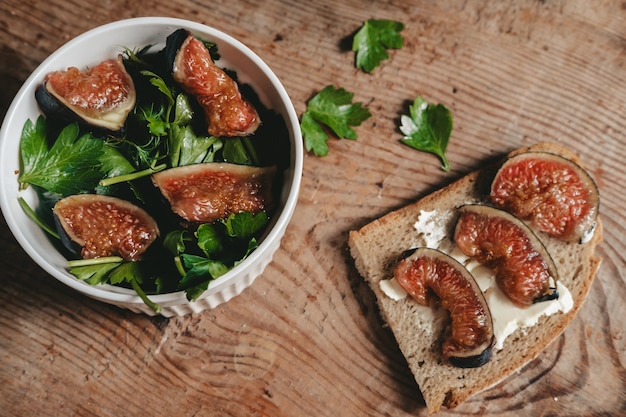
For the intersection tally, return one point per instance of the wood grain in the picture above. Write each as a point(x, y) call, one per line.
point(306, 339)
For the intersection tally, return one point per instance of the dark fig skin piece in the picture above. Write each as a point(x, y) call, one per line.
point(524, 270)
point(424, 272)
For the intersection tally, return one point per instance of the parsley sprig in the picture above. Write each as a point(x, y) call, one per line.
point(222, 246)
point(71, 165)
point(331, 108)
point(427, 128)
point(372, 41)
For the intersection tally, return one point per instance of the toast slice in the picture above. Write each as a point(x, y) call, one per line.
point(377, 247)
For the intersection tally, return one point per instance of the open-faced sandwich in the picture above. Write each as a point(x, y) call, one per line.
point(477, 278)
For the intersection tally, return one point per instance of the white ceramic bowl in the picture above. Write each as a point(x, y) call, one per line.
point(95, 46)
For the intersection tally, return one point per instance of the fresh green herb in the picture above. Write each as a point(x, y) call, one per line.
point(112, 270)
point(130, 272)
point(194, 149)
point(34, 217)
point(372, 41)
point(94, 271)
point(173, 121)
point(176, 241)
point(114, 163)
point(245, 224)
point(71, 166)
point(428, 129)
point(331, 108)
point(105, 182)
point(222, 245)
point(240, 150)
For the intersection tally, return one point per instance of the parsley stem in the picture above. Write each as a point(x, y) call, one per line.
point(179, 266)
point(445, 165)
point(132, 176)
point(141, 293)
point(31, 213)
point(94, 261)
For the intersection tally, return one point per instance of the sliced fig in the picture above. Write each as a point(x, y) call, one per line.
point(426, 271)
point(227, 112)
point(100, 96)
point(524, 270)
point(554, 193)
point(204, 193)
point(104, 226)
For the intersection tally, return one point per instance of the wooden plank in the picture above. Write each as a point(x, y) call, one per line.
point(306, 338)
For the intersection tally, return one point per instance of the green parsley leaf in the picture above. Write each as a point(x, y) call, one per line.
point(199, 149)
point(154, 119)
point(33, 145)
point(175, 240)
point(372, 41)
point(315, 137)
point(240, 150)
point(428, 129)
point(333, 108)
point(195, 280)
point(114, 271)
point(71, 166)
point(183, 112)
point(114, 163)
point(245, 224)
point(209, 239)
point(160, 84)
point(130, 272)
point(94, 274)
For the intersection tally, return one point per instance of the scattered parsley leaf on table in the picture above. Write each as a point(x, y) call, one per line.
point(428, 129)
point(333, 108)
point(372, 41)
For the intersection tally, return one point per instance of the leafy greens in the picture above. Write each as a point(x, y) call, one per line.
point(71, 165)
point(372, 41)
point(331, 108)
point(160, 133)
point(427, 128)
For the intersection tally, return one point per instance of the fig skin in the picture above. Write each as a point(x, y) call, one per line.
point(524, 269)
point(554, 193)
point(426, 271)
point(227, 112)
point(204, 193)
point(102, 96)
point(99, 226)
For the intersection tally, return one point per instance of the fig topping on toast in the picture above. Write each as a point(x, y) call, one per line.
point(557, 195)
point(524, 269)
point(425, 272)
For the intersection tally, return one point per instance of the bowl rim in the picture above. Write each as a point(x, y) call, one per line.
point(113, 294)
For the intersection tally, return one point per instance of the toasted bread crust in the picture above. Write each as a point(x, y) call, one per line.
point(376, 248)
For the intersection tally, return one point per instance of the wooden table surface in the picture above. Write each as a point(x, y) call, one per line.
point(306, 338)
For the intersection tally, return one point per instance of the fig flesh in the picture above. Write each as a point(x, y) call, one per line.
point(554, 193)
point(204, 193)
point(227, 112)
point(101, 96)
point(426, 271)
point(104, 226)
point(524, 270)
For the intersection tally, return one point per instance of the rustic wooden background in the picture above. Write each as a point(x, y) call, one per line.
point(306, 339)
